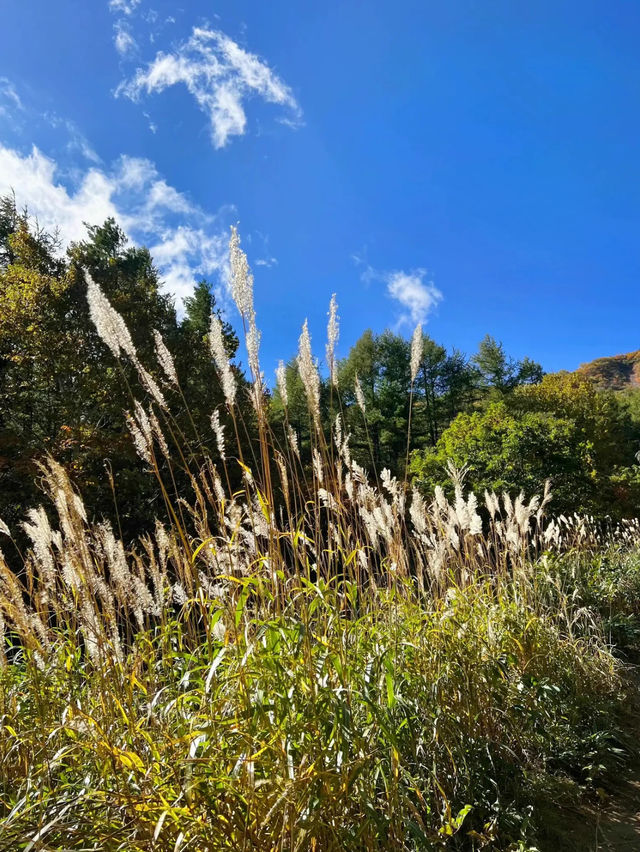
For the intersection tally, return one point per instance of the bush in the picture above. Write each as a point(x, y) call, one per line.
point(506, 451)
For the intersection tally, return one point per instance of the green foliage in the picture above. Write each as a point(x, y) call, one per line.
point(61, 391)
point(296, 414)
point(501, 373)
point(562, 428)
point(595, 412)
point(445, 385)
point(381, 363)
point(506, 451)
point(605, 586)
point(405, 728)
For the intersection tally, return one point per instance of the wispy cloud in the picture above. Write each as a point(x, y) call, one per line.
point(416, 296)
point(186, 243)
point(11, 106)
point(9, 95)
point(220, 75)
point(76, 140)
point(125, 43)
point(125, 7)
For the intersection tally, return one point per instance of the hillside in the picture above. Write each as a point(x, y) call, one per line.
point(617, 372)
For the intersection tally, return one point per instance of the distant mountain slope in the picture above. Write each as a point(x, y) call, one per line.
point(618, 372)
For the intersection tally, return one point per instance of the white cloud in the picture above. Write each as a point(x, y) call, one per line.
point(11, 106)
point(186, 243)
point(220, 75)
point(9, 95)
point(126, 7)
point(77, 141)
point(417, 296)
point(33, 177)
point(187, 253)
point(125, 43)
point(153, 127)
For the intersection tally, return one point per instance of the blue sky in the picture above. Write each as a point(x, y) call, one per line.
point(472, 165)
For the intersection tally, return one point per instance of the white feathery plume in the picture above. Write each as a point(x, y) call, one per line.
point(151, 385)
point(39, 531)
point(217, 486)
point(242, 293)
point(284, 477)
point(457, 475)
point(241, 277)
point(309, 374)
point(508, 504)
point(140, 440)
point(252, 342)
point(360, 396)
point(293, 441)
point(218, 429)
point(113, 330)
point(475, 521)
point(440, 500)
point(159, 434)
point(218, 351)
point(317, 465)
point(281, 382)
point(165, 359)
point(418, 512)
point(337, 430)
point(416, 351)
point(108, 322)
point(492, 503)
point(142, 431)
point(333, 332)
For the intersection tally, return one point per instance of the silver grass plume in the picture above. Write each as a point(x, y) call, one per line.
point(241, 277)
point(42, 539)
point(492, 503)
point(113, 330)
point(281, 382)
point(293, 441)
point(159, 434)
point(242, 293)
point(317, 465)
point(457, 475)
point(219, 353)
point(416, 351)
point(218, 430)
point(333, 332)
point(360, 396)
point(165, 359)
point(309, 374)
point(337, 430)
point(109, 324)
point(150, 385)
point(141, 432)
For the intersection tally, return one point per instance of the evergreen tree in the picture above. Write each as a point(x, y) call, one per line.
point(501, 373)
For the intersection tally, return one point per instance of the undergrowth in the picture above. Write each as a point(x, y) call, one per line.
point(348, 721)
